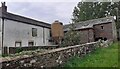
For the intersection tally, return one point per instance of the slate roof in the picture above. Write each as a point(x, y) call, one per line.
point(25, 20)
point(90, 23)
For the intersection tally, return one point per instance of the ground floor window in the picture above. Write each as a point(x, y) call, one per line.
point(18, 44)
point(30, 43)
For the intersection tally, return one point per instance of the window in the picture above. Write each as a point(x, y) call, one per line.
point(102, 27)
point(31, 43)
point(18, 44)
point(50, 38)
point(34, 32)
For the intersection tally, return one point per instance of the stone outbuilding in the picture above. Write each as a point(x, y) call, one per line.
point(93, 30)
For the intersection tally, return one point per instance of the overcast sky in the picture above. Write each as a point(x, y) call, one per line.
point(44, 11)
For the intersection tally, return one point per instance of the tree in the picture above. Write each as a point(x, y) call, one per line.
point(92, 10)
point(71, 37)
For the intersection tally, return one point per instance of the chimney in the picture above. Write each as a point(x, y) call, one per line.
point(3, 8)
point(57, 21)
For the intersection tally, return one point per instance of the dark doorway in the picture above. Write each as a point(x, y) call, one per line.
point(102, 38)
point(96, 39)
point(105, 39)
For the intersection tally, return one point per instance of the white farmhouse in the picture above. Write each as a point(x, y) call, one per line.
point(19, 31)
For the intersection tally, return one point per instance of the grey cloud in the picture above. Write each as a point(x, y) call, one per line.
point(45, 11)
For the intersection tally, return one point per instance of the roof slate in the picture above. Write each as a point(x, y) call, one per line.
point(23, 19)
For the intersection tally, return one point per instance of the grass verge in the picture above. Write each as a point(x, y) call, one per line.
point(102, 57)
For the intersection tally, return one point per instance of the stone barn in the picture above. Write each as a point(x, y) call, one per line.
point(93, 30)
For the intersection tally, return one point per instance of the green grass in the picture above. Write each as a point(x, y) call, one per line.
point(102, 57)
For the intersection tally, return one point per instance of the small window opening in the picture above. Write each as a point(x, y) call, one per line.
point(102, 27)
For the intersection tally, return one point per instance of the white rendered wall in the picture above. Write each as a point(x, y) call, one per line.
point(47, 36)
point(17, 31)
point(0, 35)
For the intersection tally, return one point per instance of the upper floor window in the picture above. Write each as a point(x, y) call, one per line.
point(34, 32)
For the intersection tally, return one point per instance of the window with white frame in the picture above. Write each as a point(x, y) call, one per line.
point(34, 32)
point(18, 44)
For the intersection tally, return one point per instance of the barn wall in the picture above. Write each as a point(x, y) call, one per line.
point(18, 31)
point(87, 35)
point(91, 35)
point(84, 36)
point(106, 32)
point(114, 31)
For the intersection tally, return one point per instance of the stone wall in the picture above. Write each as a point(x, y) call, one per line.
point(52, 58)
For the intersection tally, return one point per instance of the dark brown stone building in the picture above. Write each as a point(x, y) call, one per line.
point(92, 30)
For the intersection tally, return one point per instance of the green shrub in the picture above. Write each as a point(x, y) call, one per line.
point(4, 55)
point(19, 50)
point(71, 37)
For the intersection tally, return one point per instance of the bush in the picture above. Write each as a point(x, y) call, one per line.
point(71, 37)
point(19, 50)
point(4, 55)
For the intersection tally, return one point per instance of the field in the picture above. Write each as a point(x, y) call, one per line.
point(102, 57)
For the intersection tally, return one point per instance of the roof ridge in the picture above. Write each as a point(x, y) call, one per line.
point(83, 24)
point(25, 20)
point(27, 17)
point(91, 20)
point(96, 19)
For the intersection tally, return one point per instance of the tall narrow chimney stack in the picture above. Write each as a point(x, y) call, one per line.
point(3, 8)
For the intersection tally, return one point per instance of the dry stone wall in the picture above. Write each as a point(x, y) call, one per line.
point(52, 58)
